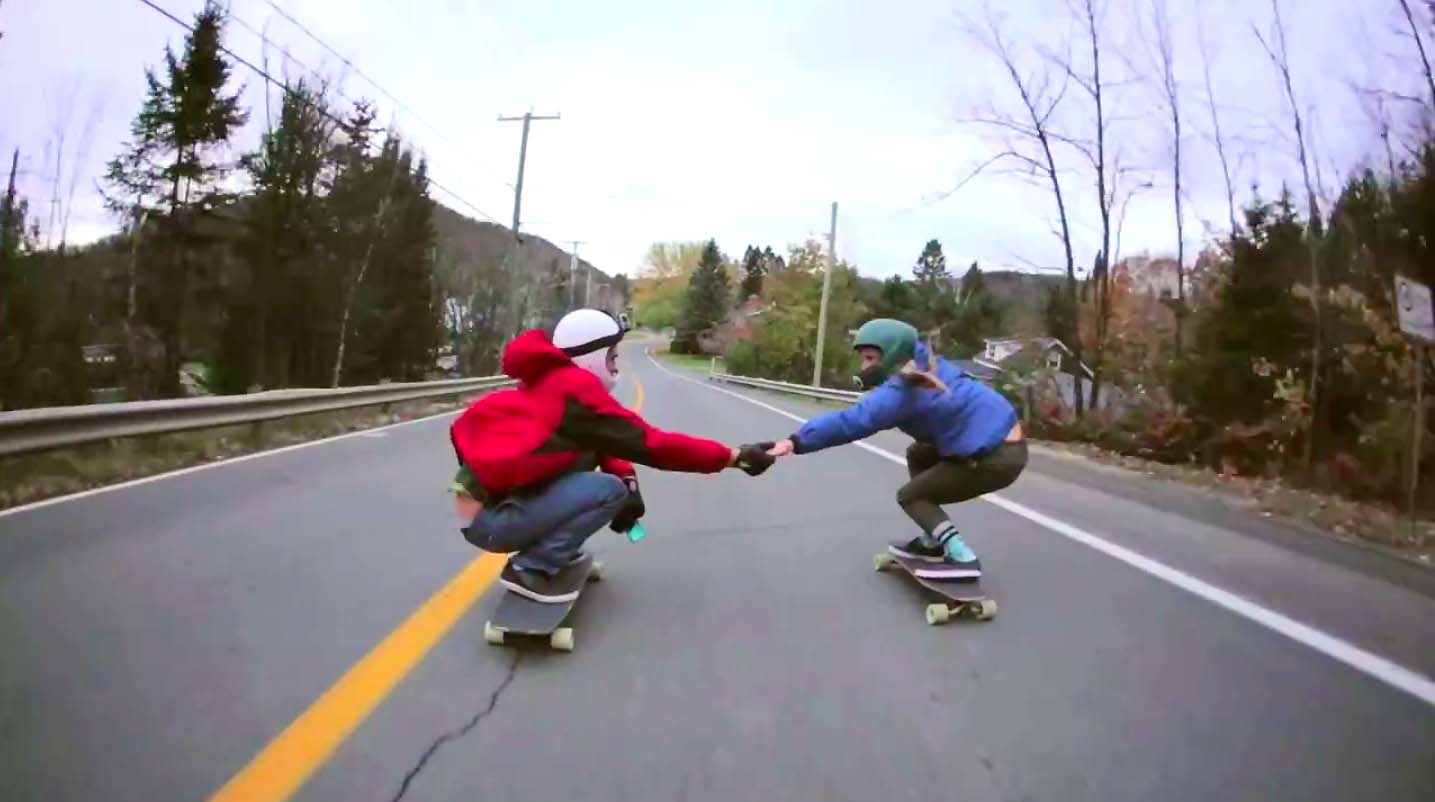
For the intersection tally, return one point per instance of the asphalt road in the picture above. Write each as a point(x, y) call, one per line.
point(160, 638)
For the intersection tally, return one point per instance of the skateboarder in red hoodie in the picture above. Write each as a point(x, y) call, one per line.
point(527, 455)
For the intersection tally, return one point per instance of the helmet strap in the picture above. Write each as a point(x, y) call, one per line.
point(590, 347)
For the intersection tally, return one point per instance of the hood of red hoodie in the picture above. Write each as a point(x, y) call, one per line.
point(532, 354)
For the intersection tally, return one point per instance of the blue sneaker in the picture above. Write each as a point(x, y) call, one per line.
point(958, 561)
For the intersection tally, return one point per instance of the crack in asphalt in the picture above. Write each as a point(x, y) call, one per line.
point(453, 735)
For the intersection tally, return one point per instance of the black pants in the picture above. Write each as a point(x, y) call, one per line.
point(936, 480)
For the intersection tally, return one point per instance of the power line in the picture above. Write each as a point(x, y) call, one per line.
point(347, 63)
point(517, 188)
point(481, 213)
point(320, 77)
point(320, 109)
point(269, 42)
point(352, 66)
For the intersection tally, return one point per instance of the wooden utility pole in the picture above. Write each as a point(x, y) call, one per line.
point(826, 291)
point(573, 277)
point(527, 118)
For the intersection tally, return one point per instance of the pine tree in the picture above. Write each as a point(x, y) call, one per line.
point(359, 201)
point(43, 318)
point(772, 263)
point(931, 267)
point(1256, 329)
point(271, 313)
point(894, 299)
point(753, 271)
point(399, 326)
point(935, 301)
point(15, 307)
point(978, 314)
point(705, 304)
point(172, 169)
point(391, 320)
point(13, 210)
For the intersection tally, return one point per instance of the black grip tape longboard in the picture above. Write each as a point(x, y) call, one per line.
point(964, 597)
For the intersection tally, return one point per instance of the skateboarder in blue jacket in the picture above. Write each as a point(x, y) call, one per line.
point(968, 441)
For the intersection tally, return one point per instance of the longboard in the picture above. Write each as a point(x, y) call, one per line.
point(522, 616)
point(965, 598)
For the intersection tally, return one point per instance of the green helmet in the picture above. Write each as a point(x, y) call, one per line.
point(896, 340)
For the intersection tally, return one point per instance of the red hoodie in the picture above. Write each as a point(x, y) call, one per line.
point(560, 419)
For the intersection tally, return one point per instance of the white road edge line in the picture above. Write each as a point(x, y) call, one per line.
point(95, 491)
point(1387, 671)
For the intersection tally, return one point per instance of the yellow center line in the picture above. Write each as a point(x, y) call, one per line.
point(283, 766)
point(638, 395)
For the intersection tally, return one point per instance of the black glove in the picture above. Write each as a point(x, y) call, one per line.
point(753, 458)
point(632, 509)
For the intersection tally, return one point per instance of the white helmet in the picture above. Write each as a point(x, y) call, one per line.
point(586, 336)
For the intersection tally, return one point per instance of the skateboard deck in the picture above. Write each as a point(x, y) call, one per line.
point(521, 616)
point(964, 597)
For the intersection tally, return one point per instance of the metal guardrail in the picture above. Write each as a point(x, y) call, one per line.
point(30, 430)
point(809, 391)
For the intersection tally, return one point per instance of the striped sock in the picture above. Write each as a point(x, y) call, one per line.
point(941, 533)
point(951, 541)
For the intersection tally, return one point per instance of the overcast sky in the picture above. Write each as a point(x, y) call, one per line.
point(738, 120)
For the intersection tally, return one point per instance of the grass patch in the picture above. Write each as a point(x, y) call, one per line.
point(35, 477)
point(1380, 525)
point(695, 362)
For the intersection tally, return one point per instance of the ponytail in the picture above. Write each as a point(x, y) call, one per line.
point(921, 378)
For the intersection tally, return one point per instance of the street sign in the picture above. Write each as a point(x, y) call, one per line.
point(1412, 303)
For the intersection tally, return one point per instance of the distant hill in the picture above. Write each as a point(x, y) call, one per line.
point(1022, 295)
point(469, 247)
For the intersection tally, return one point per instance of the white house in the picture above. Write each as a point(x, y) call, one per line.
point(1053, 351)
point(1067, 373)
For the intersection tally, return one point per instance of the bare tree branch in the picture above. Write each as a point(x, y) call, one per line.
point(1219, 141)
point(82, 157)
point(1033, 265)
point(1039, 102)
point(1164, 77)
point(1091, 14)
point(1010, 125)
point(979, 170)
point(1086, 149)
point(1420, 45)
point(1373, 103)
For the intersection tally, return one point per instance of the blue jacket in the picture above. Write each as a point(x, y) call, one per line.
point(966, 420)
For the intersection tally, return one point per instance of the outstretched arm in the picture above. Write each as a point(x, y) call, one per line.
point(594, 419)
point(880, 409)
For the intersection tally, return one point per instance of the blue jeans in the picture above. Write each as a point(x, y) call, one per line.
point(548, 528)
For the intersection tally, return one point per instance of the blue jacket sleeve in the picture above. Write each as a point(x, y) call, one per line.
point(879, 409)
